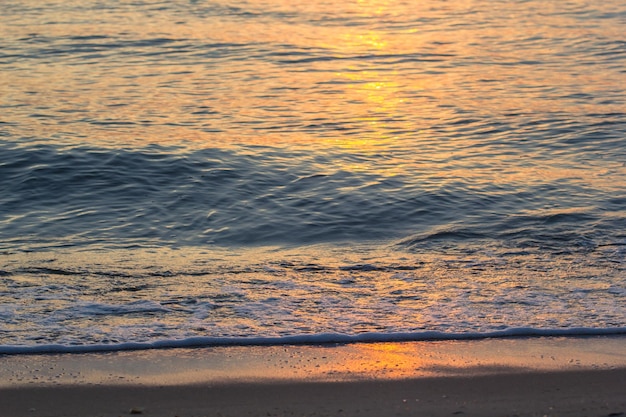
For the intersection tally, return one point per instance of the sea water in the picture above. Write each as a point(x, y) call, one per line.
point(191, 172)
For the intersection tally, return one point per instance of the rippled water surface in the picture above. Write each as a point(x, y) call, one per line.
point(250, 170)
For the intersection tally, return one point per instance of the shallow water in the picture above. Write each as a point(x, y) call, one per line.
point(236, 171)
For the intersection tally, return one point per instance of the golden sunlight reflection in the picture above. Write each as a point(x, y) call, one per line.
point(392, 360)
point(359, 41)
point(431, 93)
point(374, 6)
point(183, 366)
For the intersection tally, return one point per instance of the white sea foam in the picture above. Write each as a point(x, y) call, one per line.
point(313, 339)
point(169, 297)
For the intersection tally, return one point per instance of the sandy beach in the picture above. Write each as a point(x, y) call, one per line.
point(506, 377)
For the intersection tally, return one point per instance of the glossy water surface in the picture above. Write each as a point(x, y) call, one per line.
point(249, 170)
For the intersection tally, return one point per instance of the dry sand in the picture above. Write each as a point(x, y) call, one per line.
point(507, 377)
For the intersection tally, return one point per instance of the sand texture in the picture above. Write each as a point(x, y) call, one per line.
point(481, 378)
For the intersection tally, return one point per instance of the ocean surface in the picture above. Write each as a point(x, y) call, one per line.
point(189, 172)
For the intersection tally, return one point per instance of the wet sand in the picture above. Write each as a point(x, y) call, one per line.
point(507, 377)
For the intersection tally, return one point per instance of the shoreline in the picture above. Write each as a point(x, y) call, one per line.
point(525, 377)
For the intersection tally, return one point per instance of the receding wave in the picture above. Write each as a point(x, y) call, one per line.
point(158, 298)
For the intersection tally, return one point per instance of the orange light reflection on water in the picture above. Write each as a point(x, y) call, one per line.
point(383, 84)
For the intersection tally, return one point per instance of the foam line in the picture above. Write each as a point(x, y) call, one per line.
point(321, 338)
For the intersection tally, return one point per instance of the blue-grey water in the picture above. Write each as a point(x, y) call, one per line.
point(193, 172)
